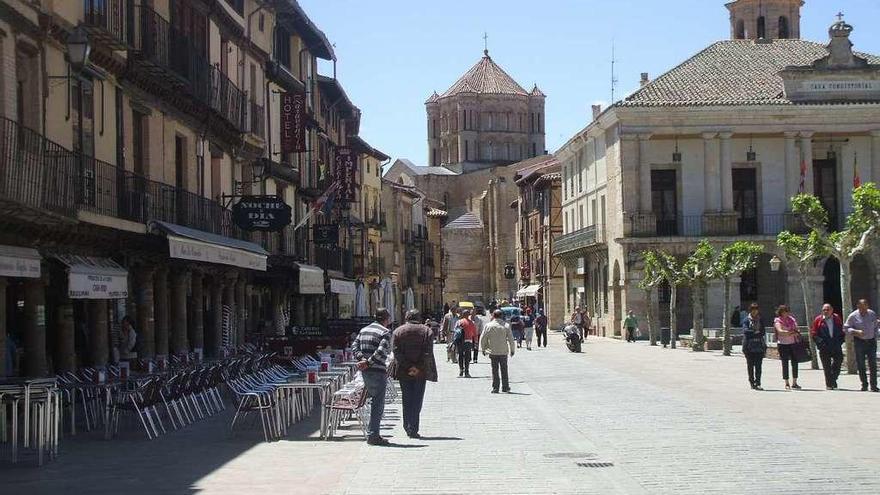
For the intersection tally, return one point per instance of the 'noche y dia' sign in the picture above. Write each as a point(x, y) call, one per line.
point(293, 122)
point(265, 213)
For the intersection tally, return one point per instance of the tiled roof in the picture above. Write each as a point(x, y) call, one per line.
point(551, 177)
point(534, 166)
point(436, 213)
point(732, 72)
point(537, 92)
point(467, 221)
point(434, 97)
point(486, 77)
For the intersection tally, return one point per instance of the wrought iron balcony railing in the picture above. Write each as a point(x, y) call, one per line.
point(583, 238)
point(714, 225)
point(106, 21)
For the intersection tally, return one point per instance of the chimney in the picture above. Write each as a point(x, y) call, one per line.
point(645, 80)
point(597, 110)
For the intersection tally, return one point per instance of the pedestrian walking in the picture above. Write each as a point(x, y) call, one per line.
point(518, 329)
point(588, 324)
point(371, 348)
point(477, 318)
point(631, 323)
point(863, 325)
point(466, 344)
point(787, 336)
point(541, 327)
point(577, 319)
point(447, 326)
point(497, 342)
point(754, 345)
point(434, 327)
point(528, 330)
point(829, 335)
point(413, 366)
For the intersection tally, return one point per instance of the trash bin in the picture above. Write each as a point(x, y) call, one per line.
point(664, 335)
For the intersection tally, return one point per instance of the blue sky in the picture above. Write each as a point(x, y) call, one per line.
point(393, 53)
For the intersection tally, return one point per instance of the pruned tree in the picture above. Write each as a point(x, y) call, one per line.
point(861, 227)
point(671, 271)
point(696, 273)
point(651, 279)
point(801, 253)
point(732, 261)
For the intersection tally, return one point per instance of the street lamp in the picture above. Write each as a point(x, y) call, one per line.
point(259, 168)
point(775, 263)
point(78, 48)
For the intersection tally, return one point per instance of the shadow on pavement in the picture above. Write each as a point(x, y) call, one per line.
point(440, 438)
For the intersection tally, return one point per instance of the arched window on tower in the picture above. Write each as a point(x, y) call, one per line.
point(783, 28)
point(740, 33)
point(762, 28)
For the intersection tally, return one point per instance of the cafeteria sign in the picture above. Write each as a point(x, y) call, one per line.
point(263, 213)
point(326, 234)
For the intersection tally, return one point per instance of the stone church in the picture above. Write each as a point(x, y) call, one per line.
point(480, 132)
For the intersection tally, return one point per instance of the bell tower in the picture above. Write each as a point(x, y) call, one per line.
point(765, 19)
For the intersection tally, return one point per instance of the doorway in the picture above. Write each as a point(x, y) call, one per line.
point(825, 186)
point(745, 200)
point(664, 201)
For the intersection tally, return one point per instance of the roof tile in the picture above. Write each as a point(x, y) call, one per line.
point(486, 77)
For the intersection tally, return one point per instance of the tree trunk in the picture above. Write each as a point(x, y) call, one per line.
point(846, 303)
point(699, 338)
point(652, 336)
point(673, 297)
point(725, 318)
point(814, 364)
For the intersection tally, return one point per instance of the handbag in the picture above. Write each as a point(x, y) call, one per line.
point(800, 351)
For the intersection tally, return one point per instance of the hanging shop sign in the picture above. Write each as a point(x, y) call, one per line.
point(345, 172)
point(191, 249)
point(19, 262)
point(293, 122)
point(509, 271)
point(263, 213)
point(326, 234)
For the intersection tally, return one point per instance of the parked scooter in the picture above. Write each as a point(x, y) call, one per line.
point(572, 338)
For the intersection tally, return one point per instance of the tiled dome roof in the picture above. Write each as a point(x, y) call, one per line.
point(486, 77)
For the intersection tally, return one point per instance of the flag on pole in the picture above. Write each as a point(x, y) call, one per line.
point(319, 204)
point(857, 181)
point(803, 176)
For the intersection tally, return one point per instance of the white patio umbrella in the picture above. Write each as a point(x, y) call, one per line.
point(388, 298)
point(410, 300)
point(360, 301)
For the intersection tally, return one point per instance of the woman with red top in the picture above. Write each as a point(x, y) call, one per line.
point(469, 338)
point(787, 335)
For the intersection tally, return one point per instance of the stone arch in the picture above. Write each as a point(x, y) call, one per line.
point(783, 27)
point(764, 286)
point(862, 286)
point(761, 28)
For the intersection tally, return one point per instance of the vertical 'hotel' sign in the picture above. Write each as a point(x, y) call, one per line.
point(293, 122)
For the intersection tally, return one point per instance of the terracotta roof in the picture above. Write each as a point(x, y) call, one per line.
point(436, 213)
point(732, 72)
point(467, 221)
point(434, 97)
point(537, 92)
point(551, 177)
point(486, 77)
point(535, 165)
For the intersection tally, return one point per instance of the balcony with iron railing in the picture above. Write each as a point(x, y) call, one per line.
point(43, 175)
point(584, 238)
point(106, 21)
point(256, 119)
point(714, 225)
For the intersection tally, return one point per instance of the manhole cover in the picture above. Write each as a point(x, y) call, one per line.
point(595, 464)
point(571, 455)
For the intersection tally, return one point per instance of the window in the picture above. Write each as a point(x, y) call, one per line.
point(262, 22)
point(783, 27)
point(467, 155)
point(593, 210)
point(368, 166)
point(580, 216)
point(745, 200)
point(139, 142)
point(534, 150)
point(282, 45)
point(762, 28)
point(27, 92)
point(664, 201)
point(740, 32)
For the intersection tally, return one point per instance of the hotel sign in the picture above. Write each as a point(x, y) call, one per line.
point(345, 172)
point(293, 122)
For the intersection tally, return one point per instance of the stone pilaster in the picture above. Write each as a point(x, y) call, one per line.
point(241, 311)
point(275, 301)
point(146, 323)
point(629, 165)
point(806, 139)
point(178, 324)
point(214, 335)
point(229, 300)
point(3, 284)
point(197, 306)
point(726, 172)
point(792, 168)
point(99, 333)
point(65, 355)
point(35, 328)
point(645, 203)
point(162, 305)
point(712, 199)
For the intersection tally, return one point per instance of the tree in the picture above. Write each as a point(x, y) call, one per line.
point(733, 260)
point(696, 272)
point(651, 279)
point(801, 254)
point(861, 226)
point(670, 271)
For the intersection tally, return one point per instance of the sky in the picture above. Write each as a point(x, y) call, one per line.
point(392, 54)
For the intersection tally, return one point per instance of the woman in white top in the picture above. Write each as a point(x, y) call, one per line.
point(127, 340)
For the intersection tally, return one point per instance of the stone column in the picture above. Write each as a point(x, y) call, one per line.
point(197, 323)
point(807, 158)
point(214, 335)
point(275, 301)
point(99, 333)
point(161, 311)
point(65, 357)
point(3, 284)
point(229, 300)
point(875, 156)
point(241, 311)
point(35, 328)
point(645, 204)
point(146, 323)
point(726, 172)
point(178, 323)
point(792, 168)
point(710, 173)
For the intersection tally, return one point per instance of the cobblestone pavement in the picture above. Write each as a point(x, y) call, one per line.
point(619, 418)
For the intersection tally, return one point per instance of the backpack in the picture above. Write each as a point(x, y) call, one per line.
point(457, 333)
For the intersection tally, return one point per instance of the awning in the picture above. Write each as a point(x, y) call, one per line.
point(191, 244)
point(342, 287)
point(311, 279)
point(530, 291)
point(19, 262)
point(94, 278)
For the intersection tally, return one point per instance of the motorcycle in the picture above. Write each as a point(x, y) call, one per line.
point(572, 338)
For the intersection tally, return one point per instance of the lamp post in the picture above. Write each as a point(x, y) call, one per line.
point(78, 49)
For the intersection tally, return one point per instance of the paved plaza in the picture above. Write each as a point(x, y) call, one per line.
point(619, 418)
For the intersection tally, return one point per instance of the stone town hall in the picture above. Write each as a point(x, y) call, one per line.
point(484, 123)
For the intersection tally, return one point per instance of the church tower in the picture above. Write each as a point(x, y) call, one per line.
point(765, 19)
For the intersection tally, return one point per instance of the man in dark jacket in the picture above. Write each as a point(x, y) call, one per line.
point(829, 335)
point(413, 366)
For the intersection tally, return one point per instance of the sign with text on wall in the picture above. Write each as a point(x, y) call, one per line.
point(345, 172)
point(293, 122)
point(263, 213)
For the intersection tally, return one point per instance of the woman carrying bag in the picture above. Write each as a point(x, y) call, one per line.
point(754, 345)
point(787, 337)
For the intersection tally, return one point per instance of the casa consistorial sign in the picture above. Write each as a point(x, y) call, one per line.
point(261, 213)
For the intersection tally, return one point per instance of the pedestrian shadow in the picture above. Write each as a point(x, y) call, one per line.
point(403, 446)
point(516, 393)
point(439, 438)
